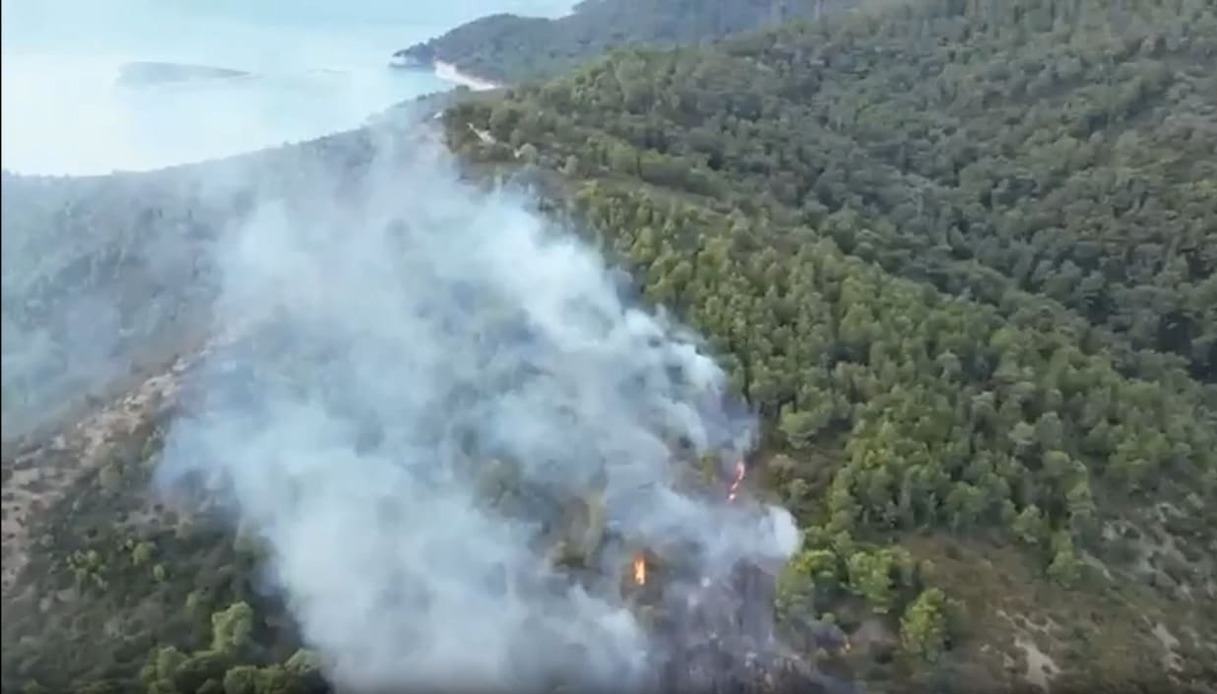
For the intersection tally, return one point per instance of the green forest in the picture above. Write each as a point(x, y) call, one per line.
point(961, 256)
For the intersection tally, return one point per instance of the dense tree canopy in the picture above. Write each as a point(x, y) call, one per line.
point(960, 254)
point(994, 152)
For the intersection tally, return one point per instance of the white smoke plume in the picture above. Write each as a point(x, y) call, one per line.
point(396, 338)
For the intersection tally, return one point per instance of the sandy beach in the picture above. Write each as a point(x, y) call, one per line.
point(449, 73)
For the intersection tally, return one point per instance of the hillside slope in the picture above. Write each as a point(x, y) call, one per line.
point(916, 264)
point(118, 579)
point(1014, 151)
point(103, 275)
point(962, 256)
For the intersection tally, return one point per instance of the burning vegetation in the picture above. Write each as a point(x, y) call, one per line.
point(640, 569)
point(740, 471)
point(714, 631)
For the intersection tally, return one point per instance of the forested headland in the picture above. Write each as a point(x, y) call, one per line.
point(507, 48)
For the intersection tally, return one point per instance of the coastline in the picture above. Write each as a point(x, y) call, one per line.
point(449, 73)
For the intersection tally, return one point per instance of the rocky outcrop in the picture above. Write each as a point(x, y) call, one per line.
point(418, 57)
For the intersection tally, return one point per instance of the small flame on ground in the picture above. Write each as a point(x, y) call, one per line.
point(640, 570)
point(740, 471)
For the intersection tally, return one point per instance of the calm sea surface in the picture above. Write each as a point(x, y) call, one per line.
point(315, 68)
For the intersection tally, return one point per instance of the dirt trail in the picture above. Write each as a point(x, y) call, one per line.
point(1041, 669)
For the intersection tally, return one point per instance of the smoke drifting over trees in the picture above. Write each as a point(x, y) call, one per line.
point(398, 345)
point(956, 255)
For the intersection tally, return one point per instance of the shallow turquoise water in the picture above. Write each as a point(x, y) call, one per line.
point(317, 67)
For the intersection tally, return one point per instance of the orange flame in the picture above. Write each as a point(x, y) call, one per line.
point(640, 569)
point(740, 471)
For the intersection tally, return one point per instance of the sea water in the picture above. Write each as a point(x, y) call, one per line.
point(314, 67)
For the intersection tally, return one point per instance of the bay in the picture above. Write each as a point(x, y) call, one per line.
point(313, 67)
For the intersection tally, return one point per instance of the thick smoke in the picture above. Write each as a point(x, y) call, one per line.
point(99, 277)
point(397, 348)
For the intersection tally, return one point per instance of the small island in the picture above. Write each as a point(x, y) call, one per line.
point(142, 73)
